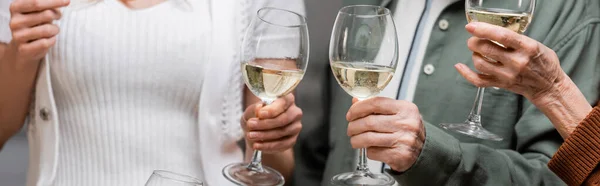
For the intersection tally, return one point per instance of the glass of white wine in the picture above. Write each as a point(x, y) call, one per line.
point(273, 61)
point(512, 14)
point(168, 178)
point(363, 54)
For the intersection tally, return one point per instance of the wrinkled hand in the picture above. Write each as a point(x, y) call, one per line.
point(275, 127)
point(32, 30)
point(391, 130)
point(525, 66)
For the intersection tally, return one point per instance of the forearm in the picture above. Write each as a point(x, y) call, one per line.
point(565, 106)
point(16, 82)
point(445, 160)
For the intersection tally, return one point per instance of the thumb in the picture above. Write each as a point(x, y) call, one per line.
point(257, 108)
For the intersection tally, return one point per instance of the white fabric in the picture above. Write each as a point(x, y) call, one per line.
point(5, 35)
point(121, 89)
point(407, 16)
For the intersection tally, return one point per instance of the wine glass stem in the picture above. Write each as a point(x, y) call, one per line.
point(256, 162)
point(362, 160)
point(475, 115)
point(362, 154)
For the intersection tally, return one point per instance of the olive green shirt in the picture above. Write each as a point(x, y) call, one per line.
point(569, 27)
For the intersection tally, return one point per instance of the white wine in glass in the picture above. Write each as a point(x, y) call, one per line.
point(273, 60)
point(363, 54)
point(513, 20)
point(514, 15)
point(270, 83)
point(362, 80)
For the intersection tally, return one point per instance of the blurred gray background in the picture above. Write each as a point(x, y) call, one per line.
point(13, 161)
point(312, 94)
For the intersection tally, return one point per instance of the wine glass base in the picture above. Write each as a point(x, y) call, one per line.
point(240, 174)
point(362, 178)
point(471, 130)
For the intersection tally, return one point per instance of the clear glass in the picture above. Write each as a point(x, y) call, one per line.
point(512, 14)
point(363, 54)
point(274, 58)
point(167, 178)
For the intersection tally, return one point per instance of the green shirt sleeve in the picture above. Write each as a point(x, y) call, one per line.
point(445, 160)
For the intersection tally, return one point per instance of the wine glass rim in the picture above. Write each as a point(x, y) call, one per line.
point(165, 174)
point(302, 18)
point(386, 11)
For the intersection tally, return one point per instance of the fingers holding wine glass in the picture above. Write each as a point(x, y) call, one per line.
point(526, 67)
point(391, 129)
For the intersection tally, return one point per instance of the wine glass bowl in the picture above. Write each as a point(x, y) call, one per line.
point(515, 15)
point(363, 55)
point(274, 57)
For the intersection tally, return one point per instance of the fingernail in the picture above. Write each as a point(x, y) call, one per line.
point(471, 26)
point(252, 135)
point(252, 122)
point(458, 66)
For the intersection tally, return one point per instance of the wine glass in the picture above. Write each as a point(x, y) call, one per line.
point(167, 178)
point(273, 61)
point(512, 14)
point(363, 54)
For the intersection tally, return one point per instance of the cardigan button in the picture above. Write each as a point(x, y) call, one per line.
point(44, 114)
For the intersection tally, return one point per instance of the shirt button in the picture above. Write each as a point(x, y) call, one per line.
point(428, 69)
point(443, 24)
point(44, 114)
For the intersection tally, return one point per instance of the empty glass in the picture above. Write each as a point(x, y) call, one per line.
point(167, 178)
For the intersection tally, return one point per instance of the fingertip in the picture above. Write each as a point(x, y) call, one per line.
point(460, 66)
point(348, 116)
point(252, 135)
point(251, 123)
point(471, 27)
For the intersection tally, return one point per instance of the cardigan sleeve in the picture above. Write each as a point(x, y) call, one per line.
point(5, 34)
point(577, 159)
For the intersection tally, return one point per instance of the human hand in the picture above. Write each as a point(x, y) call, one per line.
point(276, 126)
point(33, 33)
point(525, 66)
point(391, 131)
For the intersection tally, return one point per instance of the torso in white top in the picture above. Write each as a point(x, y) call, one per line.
point(126, 85)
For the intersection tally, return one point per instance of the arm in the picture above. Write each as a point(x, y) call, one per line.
point(16, 82)
point(32, 36)
point(566, 107)
point(536, 139)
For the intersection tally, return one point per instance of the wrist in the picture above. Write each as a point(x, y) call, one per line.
point(559, 89)
point(564, 105)
point(14, 63)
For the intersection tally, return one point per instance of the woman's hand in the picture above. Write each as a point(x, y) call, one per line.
point(32, 30)
point(275, 127)
point(525, 66)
